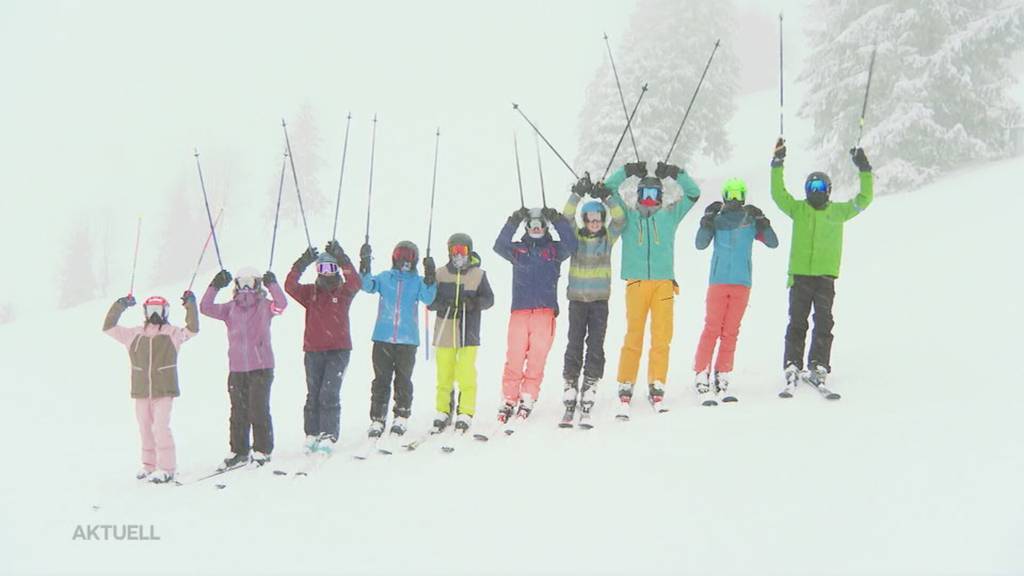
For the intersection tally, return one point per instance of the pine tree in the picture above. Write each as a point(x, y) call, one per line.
point(667, 46)
point(183, 230)
point(76, 278)
point(307, 148)
point(939, 94)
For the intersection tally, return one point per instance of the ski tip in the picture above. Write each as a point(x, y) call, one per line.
point(447, 449)
point(280, 473)
point(785, 394)
point(586, 426)
point(622, 418)
point(565, 424)
point(221, 486)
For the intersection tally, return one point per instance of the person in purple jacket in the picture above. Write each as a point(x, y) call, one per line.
point(250, 359)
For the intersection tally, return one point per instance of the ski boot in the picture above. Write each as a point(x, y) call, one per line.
point(161, 477)
point(505, 412)
point(792, 374)
point(462, 423)
point(817, 376)
point(376, 429)
point(441, 421)
point(704, 394)
point(525, 407)
point(143, 473)
point(310, 445)
point(325, 444)
point(722, 387)
point(233, 461)
point(655, 394)
point(625, 397)
point(259, 458)
point(587, 396)
point(398, 426)
point(569, 394)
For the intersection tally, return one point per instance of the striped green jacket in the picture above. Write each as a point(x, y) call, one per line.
point(590, 270)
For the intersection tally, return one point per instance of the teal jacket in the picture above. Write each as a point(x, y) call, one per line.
point(648, 242)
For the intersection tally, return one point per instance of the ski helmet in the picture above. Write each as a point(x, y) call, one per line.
point(405, 252)
point(460, 239)
point(536, 219)
point(156, 309)
point(593, 207)
point(649, 191)
point(734, 189)
point(248, 278)
point(817, 187)
point(326, 264)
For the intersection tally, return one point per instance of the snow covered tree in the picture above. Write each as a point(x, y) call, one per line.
point(307, 147)
point(76, 277)
point(938, 98)
point(667, 46)
point(184, 228)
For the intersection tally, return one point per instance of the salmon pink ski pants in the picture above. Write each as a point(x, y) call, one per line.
point(530, 335)
point(726, 304)
point(154, 417)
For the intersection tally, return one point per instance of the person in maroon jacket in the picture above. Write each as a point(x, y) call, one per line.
point(327, 341)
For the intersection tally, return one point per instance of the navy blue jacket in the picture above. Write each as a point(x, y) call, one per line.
point(536, 264)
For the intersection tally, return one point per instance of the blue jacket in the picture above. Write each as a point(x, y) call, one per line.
point(397, 311)
point(536, 264)
point(734, 233)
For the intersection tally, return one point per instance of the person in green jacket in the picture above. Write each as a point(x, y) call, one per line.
point(648, 241)
point(814, 257)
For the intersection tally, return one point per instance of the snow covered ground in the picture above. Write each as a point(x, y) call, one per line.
point(916, 471)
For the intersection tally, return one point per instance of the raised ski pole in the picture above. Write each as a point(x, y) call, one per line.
point(540, 170)
point(867, 89)
point(430, 229)
point(203, 253)
point(337, 201)
point(135, 258)
point(209, 218)
point(369, 193)
point(692, 98)
point(643, 90)
point(519, 173)
point(781, 95)
point(622, 98)
point(295, 178)
point(541, 134)
point(277, 211)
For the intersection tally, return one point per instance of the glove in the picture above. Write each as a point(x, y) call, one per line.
point(269, 278)
point(666, 171)
point(860, 160)
point(550, 214)
point(307, 258)
point(583, 186)
point(708, 219)
point(335, 249)
point(518, 216)
point(638, 169)
point(188, 296)
point(780, 153)
point(222, 279)
point(760, 220)
point(365, 252)
point(600, 191)
point(126, 301)
point(429, 271)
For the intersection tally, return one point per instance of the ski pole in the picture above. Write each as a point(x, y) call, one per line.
point(209, 218)
point(622, 98)
point(369, 193)
point(203, 253)
point(519, 173)
point(643, 90)
point(135, 258)
point(541, 134)
point(692, 98)
point(430, 230)
point(337, 201)
point(295, 178)
point(781, 95)
point(864, 108)
point(277, 211)
point(540, 170)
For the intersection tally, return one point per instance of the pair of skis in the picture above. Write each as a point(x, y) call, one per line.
point(826, 392)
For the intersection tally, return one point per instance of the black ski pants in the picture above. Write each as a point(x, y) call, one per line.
point(250, 408)
point(325, 371)
point(808, 291)
point(588, 322)
point(392, 362)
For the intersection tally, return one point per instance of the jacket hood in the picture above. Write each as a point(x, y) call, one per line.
point(474, 262)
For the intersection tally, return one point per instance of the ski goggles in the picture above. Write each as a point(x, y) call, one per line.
point(326, 268)
point(155, 305)
point(650, 194)
point(816, 185)
point(535, 223)
point(459, 250)
point(247, 283)
point(593, 218)
point(403, 254)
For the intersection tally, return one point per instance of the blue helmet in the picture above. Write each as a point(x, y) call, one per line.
point(591, 207)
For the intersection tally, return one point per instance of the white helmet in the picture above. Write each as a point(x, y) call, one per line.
point(248, 278)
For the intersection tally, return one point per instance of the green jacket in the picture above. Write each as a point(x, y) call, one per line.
point(648, 243)
point(153, 350)
point(817, 240)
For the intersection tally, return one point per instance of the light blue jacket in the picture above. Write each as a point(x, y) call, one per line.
point(734, 232)
point(397, 310)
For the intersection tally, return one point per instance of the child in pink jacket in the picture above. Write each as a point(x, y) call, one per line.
point(153, 351)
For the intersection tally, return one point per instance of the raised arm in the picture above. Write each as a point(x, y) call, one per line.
point(851, 208)
point(110, 327)
point(503, 244)
point(567, 241)
point(782, 198)
point(209, 308)
point(278, 300)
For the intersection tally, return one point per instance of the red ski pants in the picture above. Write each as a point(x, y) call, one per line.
point(726, 304)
